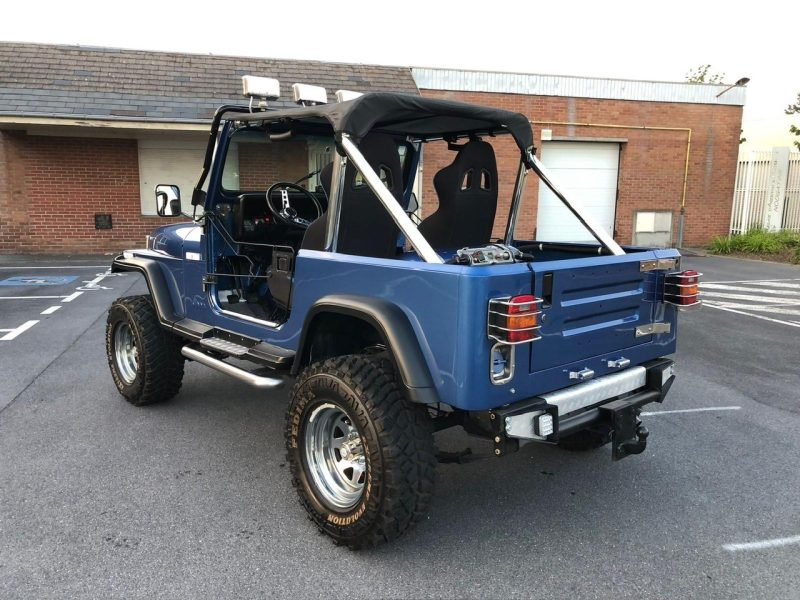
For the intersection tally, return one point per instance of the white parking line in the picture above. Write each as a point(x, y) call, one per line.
point(740, 312)
point(744, 288)
point(92, 285)
point(754, 281)
point(776, 309)
point(689, 410)
point(764, 307)
point(752, 298)
point(780, 297)
point(780, 284)
point(25, 268)
point(12, 333)
point(31, 297)
point(761, 545)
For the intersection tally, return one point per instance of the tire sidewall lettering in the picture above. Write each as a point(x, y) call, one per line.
point(318, 389)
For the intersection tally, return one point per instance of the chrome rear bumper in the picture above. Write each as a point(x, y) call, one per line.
point(595, 391)
point(581, 405)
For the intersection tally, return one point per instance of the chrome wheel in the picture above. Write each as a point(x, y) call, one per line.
point(335, 457)
point(126, 354)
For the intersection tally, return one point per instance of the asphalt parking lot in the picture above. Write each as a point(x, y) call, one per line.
point(99, 499)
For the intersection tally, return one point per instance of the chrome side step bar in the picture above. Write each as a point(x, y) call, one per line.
point(257, 381)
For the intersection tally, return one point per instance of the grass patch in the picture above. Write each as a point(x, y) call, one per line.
point(758, 242)
point(722, 244)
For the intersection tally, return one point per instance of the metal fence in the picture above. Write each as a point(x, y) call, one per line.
point(767, 191)
point(791, 213)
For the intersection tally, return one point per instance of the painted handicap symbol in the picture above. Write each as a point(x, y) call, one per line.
point(94, 284)
point(110, 274)
point(22, 280)
point(91, 286)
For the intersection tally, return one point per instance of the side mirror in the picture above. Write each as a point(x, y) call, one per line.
point(168, 200)
point(413, 204)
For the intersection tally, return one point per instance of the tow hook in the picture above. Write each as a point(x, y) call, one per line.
point(637, 446)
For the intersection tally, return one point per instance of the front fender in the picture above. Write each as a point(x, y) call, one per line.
point(157, 284)
point(395, 330)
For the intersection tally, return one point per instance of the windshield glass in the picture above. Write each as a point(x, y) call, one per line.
point(254, 162)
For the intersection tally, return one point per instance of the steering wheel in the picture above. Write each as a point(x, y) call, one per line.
point(287, 214)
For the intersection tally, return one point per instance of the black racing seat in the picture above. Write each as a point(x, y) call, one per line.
point(365, 227)
point(314, 238)
point(467, 190)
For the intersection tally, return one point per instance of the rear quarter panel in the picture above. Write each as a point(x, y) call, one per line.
point(447, 308)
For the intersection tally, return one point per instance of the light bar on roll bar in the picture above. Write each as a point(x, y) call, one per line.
point(306, 95)
point(261, 87)
point(345, 95)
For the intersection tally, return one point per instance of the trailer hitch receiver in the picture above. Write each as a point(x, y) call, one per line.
point(628, 436)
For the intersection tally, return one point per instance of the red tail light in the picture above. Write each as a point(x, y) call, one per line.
point(682, 289)
point(514, 320)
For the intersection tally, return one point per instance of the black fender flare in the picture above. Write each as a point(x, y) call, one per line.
point(395, 331)
point(156, 282)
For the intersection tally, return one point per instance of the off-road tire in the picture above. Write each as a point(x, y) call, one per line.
point(397, 438)
point(159, 371)
point(583, 441)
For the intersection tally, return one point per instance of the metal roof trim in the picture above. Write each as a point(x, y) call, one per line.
point(576, 87)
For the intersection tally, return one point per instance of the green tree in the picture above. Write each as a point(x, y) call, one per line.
point(794, 109)
point(702, 74)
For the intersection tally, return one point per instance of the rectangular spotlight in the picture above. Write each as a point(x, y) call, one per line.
point(309, 94)
point(261, 87)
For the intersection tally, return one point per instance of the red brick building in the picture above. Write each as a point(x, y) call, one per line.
point(90, 131)
point(663, 146)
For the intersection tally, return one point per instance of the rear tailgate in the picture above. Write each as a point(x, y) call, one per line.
point(592, 307)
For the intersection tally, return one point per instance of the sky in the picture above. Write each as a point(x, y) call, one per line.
point(617, 39)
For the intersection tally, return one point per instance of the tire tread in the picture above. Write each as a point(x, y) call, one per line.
point(159, 355)
point(405, 435)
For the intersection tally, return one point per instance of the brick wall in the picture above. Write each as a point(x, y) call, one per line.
point(261, 165)
point(14, 225)
point(51, 187)
point(652, 161)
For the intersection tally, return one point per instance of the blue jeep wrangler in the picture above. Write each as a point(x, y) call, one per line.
point(306, 259)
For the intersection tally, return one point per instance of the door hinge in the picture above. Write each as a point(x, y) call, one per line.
point(209, 279)
point(660, 264)
point(652, 328)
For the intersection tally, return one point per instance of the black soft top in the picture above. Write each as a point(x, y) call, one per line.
point(404, 114)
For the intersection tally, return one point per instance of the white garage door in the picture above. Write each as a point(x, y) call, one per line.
point(587, 174)
point(174, 162)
